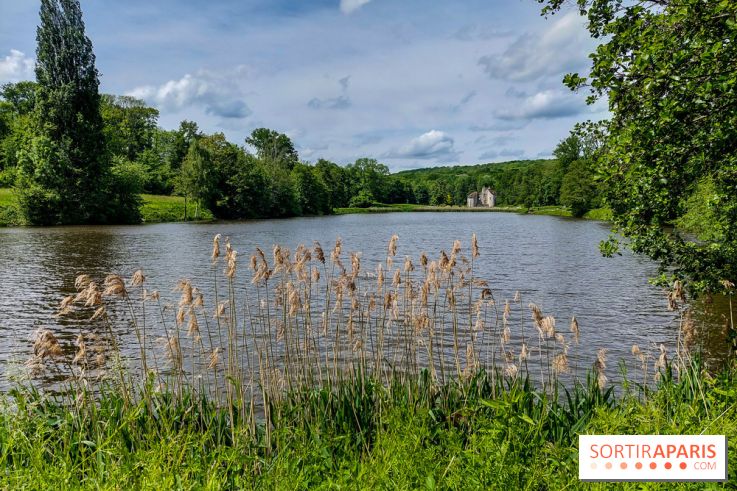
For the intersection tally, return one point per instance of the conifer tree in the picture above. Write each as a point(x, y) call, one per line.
point(65, 174)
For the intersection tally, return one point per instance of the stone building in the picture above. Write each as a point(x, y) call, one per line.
point(487, 198)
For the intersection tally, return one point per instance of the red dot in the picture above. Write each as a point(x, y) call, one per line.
point(623, 465)
point(668, 465)
point(638, 465)
point(608, 465)
point(653, 465)
point(683, 465)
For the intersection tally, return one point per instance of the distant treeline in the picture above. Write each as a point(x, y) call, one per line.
point(265, 177)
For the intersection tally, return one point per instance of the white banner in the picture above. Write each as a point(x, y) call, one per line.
point(652, 457)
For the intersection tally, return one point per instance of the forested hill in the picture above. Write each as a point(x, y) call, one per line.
point(519, 182)
point(471, 170)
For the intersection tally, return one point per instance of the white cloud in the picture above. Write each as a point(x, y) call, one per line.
point(561, 48)
point(546, 104)
point(348, 6)
point(16, 67)
point(216, 93)
point(433, 144)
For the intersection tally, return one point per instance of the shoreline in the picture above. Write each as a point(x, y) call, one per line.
point(170, 209)
point(599, 214)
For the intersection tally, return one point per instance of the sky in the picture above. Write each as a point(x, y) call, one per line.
point(412, 83)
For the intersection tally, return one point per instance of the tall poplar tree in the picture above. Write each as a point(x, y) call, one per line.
point(65, 175)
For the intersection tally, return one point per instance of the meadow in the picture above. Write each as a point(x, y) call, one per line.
point(306, 370)
point(154, 209)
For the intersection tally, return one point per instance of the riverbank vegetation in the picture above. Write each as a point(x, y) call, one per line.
point(153, 209)
point(313, 371)
point(666, 70)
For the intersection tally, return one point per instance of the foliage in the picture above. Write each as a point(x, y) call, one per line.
point(129, 125)
point(363, 199)
point(64, 171)
point(273, 148)
point(577, 190)
point(699, 217)
point(667, 71)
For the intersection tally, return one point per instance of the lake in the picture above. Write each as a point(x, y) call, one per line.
point(552, 261)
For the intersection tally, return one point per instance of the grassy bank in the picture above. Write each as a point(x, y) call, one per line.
point(602, 214)
point(157, 208)
point(313, 373)
point(154, 209)
point(391, 208)
point(479, 435)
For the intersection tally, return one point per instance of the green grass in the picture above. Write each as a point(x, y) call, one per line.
point(391, 208)
point(154, 209)
point(602, 214)
point(556, 211)
point(9, 214)
point(158, 208)
point(360, 435)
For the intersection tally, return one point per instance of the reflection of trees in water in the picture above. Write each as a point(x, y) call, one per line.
point(63, 254)
point(716, 336)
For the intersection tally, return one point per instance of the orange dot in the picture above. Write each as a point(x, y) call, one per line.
point(638, 465)
point(593, 465)
point(623, 465)
point(653, 465)
point(683, 465)
point(668, 465)
point(608, 465)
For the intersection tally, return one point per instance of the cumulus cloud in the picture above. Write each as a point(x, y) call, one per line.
point(217, 94)
point(546, 104)
point(16, 67)
point(433, 144)
point(560, 49)
point(349, 6)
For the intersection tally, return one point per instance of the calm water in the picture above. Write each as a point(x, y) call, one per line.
point(552, 261)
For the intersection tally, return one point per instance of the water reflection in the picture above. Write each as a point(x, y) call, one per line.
point(552, 261)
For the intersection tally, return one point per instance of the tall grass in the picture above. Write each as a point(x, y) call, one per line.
point(304, 368)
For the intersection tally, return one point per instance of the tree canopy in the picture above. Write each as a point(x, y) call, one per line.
point(64, 171)
point(668, 70)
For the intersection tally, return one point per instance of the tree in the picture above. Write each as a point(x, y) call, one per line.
point(667, 70)
point(17, 101)
point(20, 97)
point(335, 180)
point(197, 176)
point(130, 125)
point(311, 193)
point(188, 132)
point(273, 148)
point(370, 176)
point(577, 190)
point(65, 172)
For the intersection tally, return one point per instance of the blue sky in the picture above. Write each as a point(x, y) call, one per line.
point(412, 83)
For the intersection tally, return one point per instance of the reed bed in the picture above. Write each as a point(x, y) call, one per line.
point(317, 319)
point(314, 349)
